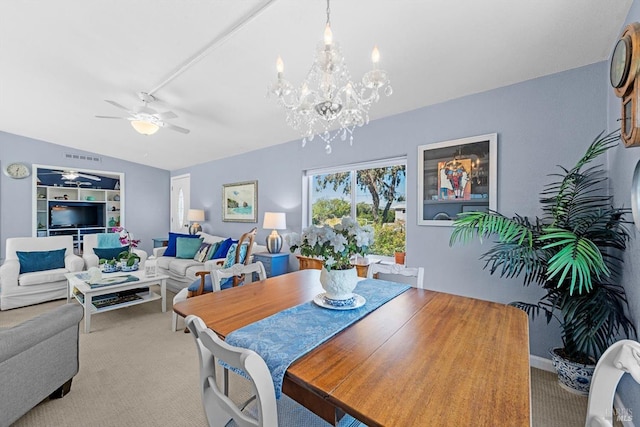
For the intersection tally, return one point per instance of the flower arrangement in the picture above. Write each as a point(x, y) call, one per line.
point(334, 245)
point(126, 238)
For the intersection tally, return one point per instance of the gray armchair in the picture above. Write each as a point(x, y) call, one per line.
point(38, 359)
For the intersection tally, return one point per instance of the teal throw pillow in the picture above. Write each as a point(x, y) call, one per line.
point(202, 254)
point(41, 260)
point(187, 247)
point(110, 253)
point(231, 255)
point(171, 243)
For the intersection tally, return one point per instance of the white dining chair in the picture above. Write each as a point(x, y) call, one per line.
point(397, 273)
point(620, 358)
point(235, 270)
point(262, 409)
point(216, 280)
point(218, 407)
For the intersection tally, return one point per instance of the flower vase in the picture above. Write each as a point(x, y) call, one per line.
point(339, 284)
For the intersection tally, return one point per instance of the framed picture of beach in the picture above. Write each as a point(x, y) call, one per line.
point(240, 202)
point(457, 176)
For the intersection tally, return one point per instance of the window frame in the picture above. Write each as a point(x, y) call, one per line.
point(352, 168)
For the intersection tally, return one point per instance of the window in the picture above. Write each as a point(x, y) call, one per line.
point(374, 193)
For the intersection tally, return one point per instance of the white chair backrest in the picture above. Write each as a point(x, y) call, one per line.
point(32, 244)
point(90, 241)
point(622, 356)
point(218, 408)
point(237, 270)
point(397, 273)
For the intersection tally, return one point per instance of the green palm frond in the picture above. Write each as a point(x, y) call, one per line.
point(573, 252)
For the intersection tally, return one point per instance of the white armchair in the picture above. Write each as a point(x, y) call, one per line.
point(90, 241)
point(19, 290)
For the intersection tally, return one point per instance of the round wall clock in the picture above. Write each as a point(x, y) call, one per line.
point(620, 62)
point(625, 60)
point(17, 170)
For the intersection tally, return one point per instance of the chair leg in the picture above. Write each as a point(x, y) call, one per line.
point(61, 391)
point(174, 321)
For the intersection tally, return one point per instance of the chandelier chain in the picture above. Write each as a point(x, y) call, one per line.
point(328, 103)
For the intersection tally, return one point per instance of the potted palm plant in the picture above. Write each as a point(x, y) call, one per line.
point(574, 253)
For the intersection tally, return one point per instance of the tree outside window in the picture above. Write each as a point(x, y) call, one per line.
point(375, 196)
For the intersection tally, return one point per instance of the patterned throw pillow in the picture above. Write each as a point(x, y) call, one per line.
point(203, 252)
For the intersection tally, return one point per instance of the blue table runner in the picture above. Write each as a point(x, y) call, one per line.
point(290, 334)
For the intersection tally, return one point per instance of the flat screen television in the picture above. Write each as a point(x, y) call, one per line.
point(76, 215)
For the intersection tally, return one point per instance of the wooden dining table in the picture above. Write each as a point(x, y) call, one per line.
point(423, 358)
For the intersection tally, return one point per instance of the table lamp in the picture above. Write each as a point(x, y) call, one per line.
point(275, 221)
point(195, 215)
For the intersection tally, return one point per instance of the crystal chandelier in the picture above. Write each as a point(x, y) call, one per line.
point(328, 103)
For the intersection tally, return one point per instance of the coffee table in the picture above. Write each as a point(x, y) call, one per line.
point(112, 297)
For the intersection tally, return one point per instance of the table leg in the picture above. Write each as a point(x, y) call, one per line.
point(87, 314)
point(163, 293)
point(69, 291)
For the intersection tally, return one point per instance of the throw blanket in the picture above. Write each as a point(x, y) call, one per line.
point(285, 336)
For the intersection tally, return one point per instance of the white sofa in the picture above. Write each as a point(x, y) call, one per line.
point(182, 272)
point(19, 290)
point(90, 241)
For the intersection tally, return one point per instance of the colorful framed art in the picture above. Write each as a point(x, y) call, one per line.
point(457, 176)
point(240, 202)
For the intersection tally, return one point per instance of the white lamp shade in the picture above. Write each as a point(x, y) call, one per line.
point(145, 128)
point(275, 220)
point(195, 215)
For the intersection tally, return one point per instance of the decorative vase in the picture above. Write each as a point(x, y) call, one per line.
point(125, 267)
point(110, 268)
point(399, 257)
point(339, 284)
point(572, 376)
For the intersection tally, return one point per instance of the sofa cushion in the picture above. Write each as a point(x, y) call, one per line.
point(41, 260)
point(209, 238)
point(222, 250)
point(179, 266)
point(42, 277)
point(187, 247)
point(171, 244)
point(110, 253)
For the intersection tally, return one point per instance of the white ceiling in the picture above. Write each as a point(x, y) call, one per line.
point(59, 61)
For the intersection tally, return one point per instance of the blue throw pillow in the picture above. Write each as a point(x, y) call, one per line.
point(41, 260)
point(212, 251)
point(186, 247)
point(222, 250)
point(171, 244)
point(110, 253)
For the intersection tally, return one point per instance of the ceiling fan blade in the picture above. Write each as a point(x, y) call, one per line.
point(115, 104)
point(167, 115)
point(112, 117)
point(176, 128)
point(93, 177)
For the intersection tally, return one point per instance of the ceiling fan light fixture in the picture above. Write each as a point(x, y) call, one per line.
point(144, 128)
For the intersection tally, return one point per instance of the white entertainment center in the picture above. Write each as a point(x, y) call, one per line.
point(76, 202)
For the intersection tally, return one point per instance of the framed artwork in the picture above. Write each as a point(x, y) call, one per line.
point(457, 176)
point(240, 202)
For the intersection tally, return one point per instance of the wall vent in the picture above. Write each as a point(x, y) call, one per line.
point(93, 159)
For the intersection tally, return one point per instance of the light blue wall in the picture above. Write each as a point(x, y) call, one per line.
point(540, 123)
point(622, 162)
point(146, 189)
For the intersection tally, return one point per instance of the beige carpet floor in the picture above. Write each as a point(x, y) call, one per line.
point(136, 372)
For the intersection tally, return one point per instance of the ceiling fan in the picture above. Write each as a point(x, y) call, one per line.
point(77, 183)
point(145, 119)
point(71, 175)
